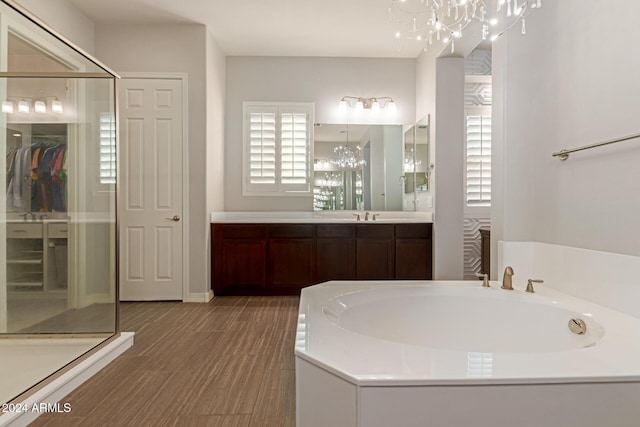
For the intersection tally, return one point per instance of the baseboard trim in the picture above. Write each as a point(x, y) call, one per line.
point(202, 297)
point(67, 382)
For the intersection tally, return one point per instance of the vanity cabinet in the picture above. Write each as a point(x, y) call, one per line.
point(413, 246)
point(335, 252)
point(240, 260)
point(281, 259)
point(375, 252)
point(291, 251)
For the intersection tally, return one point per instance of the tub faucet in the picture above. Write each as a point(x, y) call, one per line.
point(506, 279)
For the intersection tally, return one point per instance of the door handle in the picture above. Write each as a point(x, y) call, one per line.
point(174, 218)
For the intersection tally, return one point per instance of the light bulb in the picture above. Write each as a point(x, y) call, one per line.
point(391, 107)
point(56, 106)
point(438, 25)
point(397, 34)
point(40, 107)
point(375, 106)
point(457, 34)
point(494, 37)
point(445, 40)
point(23, 106)
point(342, 106)
point(7, 107)
point(359, 106)
point(493, 22)
point(419, 38)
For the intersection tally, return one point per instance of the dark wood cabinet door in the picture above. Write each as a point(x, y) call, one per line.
point(413, 259)
point(335, 259)
point(413, 251)
point(239, 259)
point(291, 263)
point(243, 265)
point(374, 259)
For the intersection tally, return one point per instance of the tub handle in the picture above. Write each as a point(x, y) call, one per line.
point(485, 279)
point(530, 283)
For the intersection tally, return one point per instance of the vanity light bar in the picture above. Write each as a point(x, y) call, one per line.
point(360, 104)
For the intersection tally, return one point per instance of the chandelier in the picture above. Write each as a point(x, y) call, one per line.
point(428, 21)
point(346, 157)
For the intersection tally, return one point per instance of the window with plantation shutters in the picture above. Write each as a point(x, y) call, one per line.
point(107, 149)
point(277, 154)
point(478, 160)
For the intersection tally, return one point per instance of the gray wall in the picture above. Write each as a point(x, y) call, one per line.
point(568, 83)
point(321, 80)
point(448, 234)
point(185, 49)
point(65, 19)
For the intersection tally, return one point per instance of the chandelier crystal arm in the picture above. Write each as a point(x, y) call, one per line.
point(427, 21)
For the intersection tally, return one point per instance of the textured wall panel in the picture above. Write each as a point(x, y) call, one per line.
point(478, 62)
point(472, 245)
point(477, 94)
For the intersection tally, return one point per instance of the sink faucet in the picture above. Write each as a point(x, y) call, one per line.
point(366, 216)
point(506, 279)
point(25, 215)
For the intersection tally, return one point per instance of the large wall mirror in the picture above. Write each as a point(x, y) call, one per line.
point(370, 167)
point(417, 166)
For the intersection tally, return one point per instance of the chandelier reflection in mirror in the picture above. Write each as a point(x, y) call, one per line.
point(346, 157)
point(429, 21)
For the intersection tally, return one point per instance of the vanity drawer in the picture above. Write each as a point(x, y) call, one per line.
point(57, 231)
point(24, 231)
point(336, 230)
point(375, 231)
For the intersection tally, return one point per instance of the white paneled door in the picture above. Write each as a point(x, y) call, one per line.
point(150, 197)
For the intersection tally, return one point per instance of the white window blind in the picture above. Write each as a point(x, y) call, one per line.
point(478, 178)
point(277, 148)
point(107, 148)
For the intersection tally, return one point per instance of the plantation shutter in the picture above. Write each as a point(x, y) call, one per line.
point(262, 149)
point(294, 149)
point(107, 149)
point(478, 177)
point(277, 148)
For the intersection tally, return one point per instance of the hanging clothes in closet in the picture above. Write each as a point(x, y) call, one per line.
point(36, 178)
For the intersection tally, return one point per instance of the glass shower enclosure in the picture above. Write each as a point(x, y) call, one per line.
point(58, 292)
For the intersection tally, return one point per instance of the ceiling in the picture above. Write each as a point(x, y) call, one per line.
point(335, 28)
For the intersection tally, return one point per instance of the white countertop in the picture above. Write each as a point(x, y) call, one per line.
point(367, 361)
point(333, 217)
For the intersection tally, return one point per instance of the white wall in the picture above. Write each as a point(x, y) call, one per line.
point(66, 19)
point(174, 48)
point(215, 62)
point(321, 80)
point(568, 83)
point(448, 234)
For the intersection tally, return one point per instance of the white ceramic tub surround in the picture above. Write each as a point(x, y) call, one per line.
point(322, 217)
point(453, 353)
point(608, 279)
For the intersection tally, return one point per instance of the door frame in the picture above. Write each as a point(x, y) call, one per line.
point(183, 77)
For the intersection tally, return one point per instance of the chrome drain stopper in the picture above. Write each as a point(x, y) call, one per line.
point(577, 326)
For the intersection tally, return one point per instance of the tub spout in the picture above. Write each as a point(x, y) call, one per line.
point(506, 279)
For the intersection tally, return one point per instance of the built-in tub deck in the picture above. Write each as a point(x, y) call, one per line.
point(385, 350)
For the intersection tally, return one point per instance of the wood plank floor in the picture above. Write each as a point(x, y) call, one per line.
point(226, 363)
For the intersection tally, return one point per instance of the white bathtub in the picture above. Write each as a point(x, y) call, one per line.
point(454, 353)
